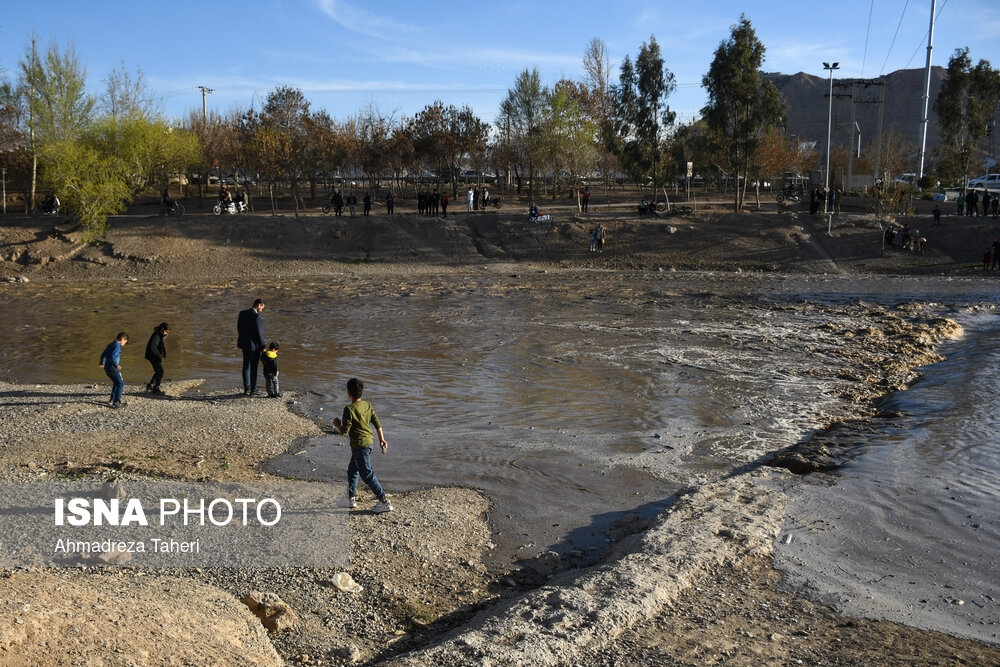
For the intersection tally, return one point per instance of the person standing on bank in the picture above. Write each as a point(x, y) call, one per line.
point(250, 339)
point(156, 352)
point(111, 363)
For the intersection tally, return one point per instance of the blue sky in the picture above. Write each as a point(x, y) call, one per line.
point(404, 55)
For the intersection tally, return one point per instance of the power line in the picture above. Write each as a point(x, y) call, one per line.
point(868, 31)
point(902, 14)
point(926, 34)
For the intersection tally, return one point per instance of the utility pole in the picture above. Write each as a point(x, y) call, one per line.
point(850, 145)
point(842, 85)
point(927, 94)
point(829, 128)
point(204, 105)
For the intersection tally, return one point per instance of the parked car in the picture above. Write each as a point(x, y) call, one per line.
point(989, 181)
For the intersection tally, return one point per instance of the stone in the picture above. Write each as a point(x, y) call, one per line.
point(113, 557)
point(544, 564)
point(348, 652)
point(272, 611)
point(112, 489)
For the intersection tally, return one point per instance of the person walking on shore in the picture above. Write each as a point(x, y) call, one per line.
point(111, 363)
point(250, 339)
point(444, 205)
point(389, 201)
point(156, 352)
point(367, 203)
point(359, 418)
point(470, 196)
point(599, 233)
point(585, 198)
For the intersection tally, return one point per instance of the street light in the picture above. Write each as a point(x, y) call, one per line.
point(829, 128)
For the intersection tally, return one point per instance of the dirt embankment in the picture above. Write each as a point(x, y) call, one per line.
point(207, 248)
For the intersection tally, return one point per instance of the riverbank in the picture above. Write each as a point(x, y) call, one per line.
point(206, 248)
point(693, 585)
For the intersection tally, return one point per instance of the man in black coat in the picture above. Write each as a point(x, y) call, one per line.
point(250, 339)
point(156, 352)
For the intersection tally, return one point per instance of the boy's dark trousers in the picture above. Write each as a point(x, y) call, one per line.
point(271, 383)
point(154, 382)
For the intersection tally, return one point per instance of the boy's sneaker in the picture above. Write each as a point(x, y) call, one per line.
point(383, 506)
point(116, 404)
point(349, 501)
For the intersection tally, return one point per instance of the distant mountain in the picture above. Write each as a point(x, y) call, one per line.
point(807, 100)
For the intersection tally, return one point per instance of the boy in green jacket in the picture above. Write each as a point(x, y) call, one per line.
point(358, 419)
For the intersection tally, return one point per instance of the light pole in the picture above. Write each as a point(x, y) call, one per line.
point(829, 128)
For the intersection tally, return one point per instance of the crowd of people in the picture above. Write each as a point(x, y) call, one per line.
point(971, 203)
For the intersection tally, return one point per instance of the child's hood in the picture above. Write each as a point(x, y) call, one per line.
point(273, 354)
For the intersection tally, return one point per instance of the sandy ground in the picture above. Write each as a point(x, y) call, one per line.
point(694, 587)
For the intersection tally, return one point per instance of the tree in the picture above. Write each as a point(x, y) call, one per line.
point(519, 121)
point(966, 102)
point(567, 135)
point(443, 136)
point(149, 150)
point(597, 66)
point(284, 116)
point(15, 147)
point(127, 96)
point(60, 105)
point(742, 105)
point(92, 185)
point(640, 116)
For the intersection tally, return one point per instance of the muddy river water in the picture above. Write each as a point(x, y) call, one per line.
point(570, 398)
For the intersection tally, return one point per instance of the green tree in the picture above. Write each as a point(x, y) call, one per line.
point(519, 123)
point(742, 105)
point(285, 113)
point(568, 133)
point(640, 116)
point(967, 100)
point(92, 185)
point(60, 105)
point(149, 149)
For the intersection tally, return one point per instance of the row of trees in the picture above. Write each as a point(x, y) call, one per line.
point(98, 153)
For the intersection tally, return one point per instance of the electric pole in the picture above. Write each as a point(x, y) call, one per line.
point(927, 93)
point(204, 105)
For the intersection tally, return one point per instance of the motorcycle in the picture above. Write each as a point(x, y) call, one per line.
point(50, 208)
point(791, 195)
point(229, 207)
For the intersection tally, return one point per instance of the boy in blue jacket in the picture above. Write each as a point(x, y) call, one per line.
point(110, 359)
